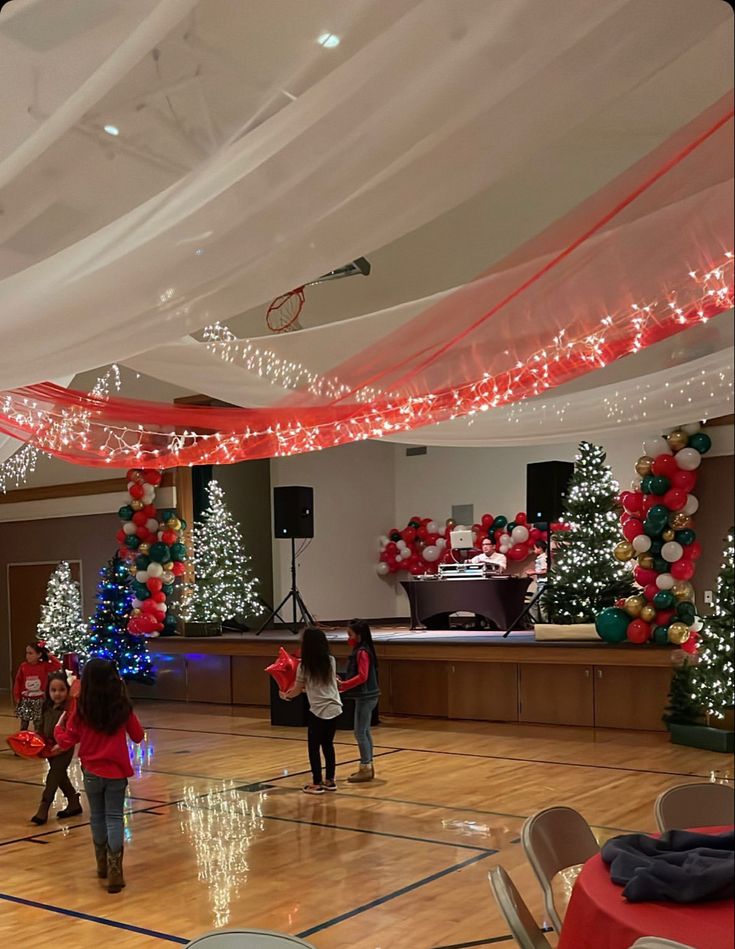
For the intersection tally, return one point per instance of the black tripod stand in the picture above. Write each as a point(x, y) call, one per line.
point(535, 598)
point(297, 603)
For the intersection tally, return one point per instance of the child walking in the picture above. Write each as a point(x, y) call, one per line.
point(361, 682)
point(29, 687)
point(100, 724)
point(317, 676)
point(58, 700)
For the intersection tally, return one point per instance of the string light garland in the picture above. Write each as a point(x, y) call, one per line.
point(92, 431)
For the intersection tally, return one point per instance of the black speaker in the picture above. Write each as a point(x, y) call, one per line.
point(546, 485)
point(293, 512)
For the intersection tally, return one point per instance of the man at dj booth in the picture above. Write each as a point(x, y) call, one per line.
point(491, 556)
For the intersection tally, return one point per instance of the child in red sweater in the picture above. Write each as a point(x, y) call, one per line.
point(100, 724)
point(29, 687)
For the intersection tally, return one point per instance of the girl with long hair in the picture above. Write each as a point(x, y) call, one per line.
point(58, 700)
point(100, 725)
point(361, 682)
point(317, 676)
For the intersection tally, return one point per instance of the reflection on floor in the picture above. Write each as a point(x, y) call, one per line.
point(219, 834)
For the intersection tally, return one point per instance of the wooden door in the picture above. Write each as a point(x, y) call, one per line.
point(485, 691)
point(556, 694)
point(26, 594)
point(418, 687)
point(631, 697)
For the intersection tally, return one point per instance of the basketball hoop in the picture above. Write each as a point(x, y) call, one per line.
point(284, 311)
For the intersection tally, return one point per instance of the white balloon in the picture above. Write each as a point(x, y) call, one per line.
point(519, 534)
point(636, 483)
point(129, 528)
point(154, 569)
point(672, 551)
point(692, 505)
point(656, 446)
point(504, 546)
point(692, 428)
point(441, 543)
point(137, 603)
point(664, 581)
point(641, 543)
point(430, 553)
point(382, 569)
point(383, 541)
point(141, 576)
point(688, 459)
point(432, 527)
point(399, 558)
point(130, 484)
point(161, 607)
point(152, 525)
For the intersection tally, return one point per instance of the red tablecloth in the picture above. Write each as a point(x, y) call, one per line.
point(599, 918)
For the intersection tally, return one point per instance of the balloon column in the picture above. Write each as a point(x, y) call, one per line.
point(423, 544)
point(658, 532)
point(152, 546)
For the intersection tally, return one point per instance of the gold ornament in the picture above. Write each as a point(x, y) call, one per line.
point(648, 613)
point(643, 465)
point(677, 440)
point(135, 612)
point(683, 590)
point(136, 505)
point(173, 523)
point(678, 633)
point(623, 550)
point(167, 566)
point(645, 561)
point(668, 535)
point(132, 570)
point(450, 522)
point(681, 521)
point(634, 605)
point(144, 549)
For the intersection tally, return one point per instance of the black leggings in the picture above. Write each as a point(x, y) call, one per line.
point(321, 737)
point(58, 778)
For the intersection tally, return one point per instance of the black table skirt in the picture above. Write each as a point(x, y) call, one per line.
point(498, 599)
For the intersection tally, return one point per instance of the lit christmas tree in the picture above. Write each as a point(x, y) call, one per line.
point(712, 678)
point(584, 575)
point(223, 585)
point(109, 638)
point(62, 627)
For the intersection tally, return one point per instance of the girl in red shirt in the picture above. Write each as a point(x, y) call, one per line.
point(100, 725)
point(29, 687)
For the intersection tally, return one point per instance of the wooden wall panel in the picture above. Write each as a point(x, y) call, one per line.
point(562, 695)
point(250, 684)
point(631, 698)
point(208, 679)
point(487, 692)
point(419, 688)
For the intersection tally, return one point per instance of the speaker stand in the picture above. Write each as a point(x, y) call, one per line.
point(297, 603)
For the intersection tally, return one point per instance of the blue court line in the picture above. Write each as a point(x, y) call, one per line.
point(75, 914)
point(200, 731)
point(379, 833)
point(394, 895)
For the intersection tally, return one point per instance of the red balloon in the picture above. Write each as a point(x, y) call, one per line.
point(650, 591)
point(649, 501)
point(521, 518)
point(283, 670)
point(632, 528)
point(643, 576)
point(664, 617)
point(136, 491)
point(177, 568)
point(169, 537)
point(150, 510)
point(148, 605)
point(518, 552)
point(139, 518)
point(421, 533)
point(408, 534)
point(682, 569)
point(26, 744)
point(693, 551)
point(124, 553)
point(120, 536)
point(675, 498)
point(684, 480)
point(159, 597)
point(487, 520)
point(535, 534)
point(154, 584)
point(391, 549)
point(151, 476)
point(690, 645)
point(639, 631)
point(416, 569)
point(664, 465)
point(632, 501)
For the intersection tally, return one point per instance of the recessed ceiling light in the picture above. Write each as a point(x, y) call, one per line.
point(112, 130)
point(328, 40)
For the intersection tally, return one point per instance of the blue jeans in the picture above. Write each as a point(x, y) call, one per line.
point(363, 713)
point(106, 798)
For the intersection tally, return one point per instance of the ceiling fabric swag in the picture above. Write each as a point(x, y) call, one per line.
point(429, 109)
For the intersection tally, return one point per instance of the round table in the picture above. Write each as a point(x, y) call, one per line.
point(599, 918)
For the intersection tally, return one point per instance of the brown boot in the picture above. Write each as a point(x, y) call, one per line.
point(115, 881)
point(73, 807)
point(365, 774)
point(100, 852)
point(41, 815)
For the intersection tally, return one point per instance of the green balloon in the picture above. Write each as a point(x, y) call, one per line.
point(178, 552)
point(661, 635)
point(125, 513)
point(701, 442)
point(686, 611)
point(685, 537)
point(653, 529)
point(663, 600)
point(659, 512)
point(184, 525)
point(660, 565)
point(168, 588)
point(142, 561)
point(646, 484)
point(132, 542)
point(160, 553)
point(655, 548)
point(612, 624)
point(500, 521)
point(659, 485)
point(511, 525)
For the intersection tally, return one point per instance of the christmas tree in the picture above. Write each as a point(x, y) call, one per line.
point(62, 627)
point(109, 638)
point(682, 708)
point(584, 575)
point(712, 680)
point(223, 585)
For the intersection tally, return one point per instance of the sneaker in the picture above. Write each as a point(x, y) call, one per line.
point(313, 789)
point(329, 785)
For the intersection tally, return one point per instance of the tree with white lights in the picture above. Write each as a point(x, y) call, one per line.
point(62, 627)
point(712, 677)
point(585, 576)
point(223, 584)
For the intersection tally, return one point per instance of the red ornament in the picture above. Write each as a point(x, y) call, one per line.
point(664, 617)
point(136, 491)
point(139, 518)
point(643, 576)
point(154, 584)
point(632, 528)
point(650, 591)
point(664, 465)
point(693, 551)
point(150, 511)
point(151, 476)
point(521, 518)
point(632, 501)
point(120, 536)
point(684, 480)
point(134, 474)
point(639, 631)
point(178, 568)
point(682, 569)
point(675, 498)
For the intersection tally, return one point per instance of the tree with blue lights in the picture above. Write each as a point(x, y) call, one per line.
point(109, 638)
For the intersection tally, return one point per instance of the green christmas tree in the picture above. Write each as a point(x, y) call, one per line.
point(712, 679)
point(585, 576)
point(223, 585)
point(62, 627)
point(108, 635)
point(682, 708)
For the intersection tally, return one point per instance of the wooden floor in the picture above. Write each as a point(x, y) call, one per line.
point(219, 834)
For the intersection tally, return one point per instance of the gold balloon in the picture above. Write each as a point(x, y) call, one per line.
point(144, 549)
point(683, 590)
point(678, 633)
point(634, 605)
point(677, 440)
point(648, 613)
point(645, 561)
point(643, 465)
point(681, 521)
point(167, 566)
point(668, 535)
point(136, 505)
point(173, 523)
point(450, 522)
point(135, 612)
point(623, 550)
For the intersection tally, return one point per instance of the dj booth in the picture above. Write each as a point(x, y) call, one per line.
point(499, 599)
